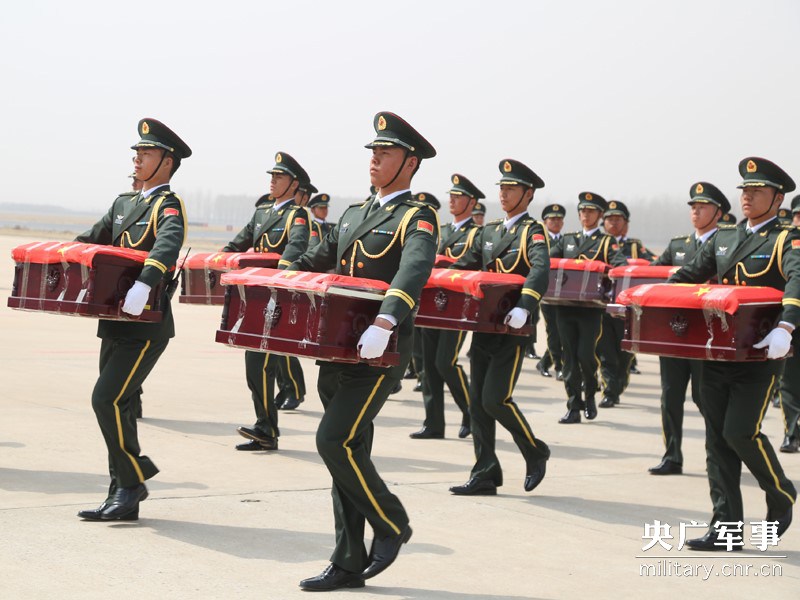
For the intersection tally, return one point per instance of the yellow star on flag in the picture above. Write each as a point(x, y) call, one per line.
point(702, 290)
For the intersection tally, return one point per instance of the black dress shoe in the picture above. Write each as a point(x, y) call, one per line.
point(384, 551)
point(590, 412)
point(609, 402)
point(254, 434)
point(418, 387)
point(666, 467)
point(573, 416)
point(426, 434)
point(280, 398)
point(559, 375)
point(464, 431)
point(475, 487)
point(333, 578)
point(711, 542)
point(269, 443)
point(251, 446)
point(410, 373)
point(534, 474)
point(783, 520)
point(542, 371)
point(291, 403)
point(93, 514)
point(396, 388)
point(635, 370)
point(124, 503)
point(790, 445)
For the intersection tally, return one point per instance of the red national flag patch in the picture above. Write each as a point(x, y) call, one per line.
point(314, 234)
point(538, 237)
point(425, 226)
point(795, 244)
point(300, 221)
point(171, 212)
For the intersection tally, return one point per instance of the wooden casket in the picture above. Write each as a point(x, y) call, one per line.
point(470, 301)
point(623, 278)
point(703, 321)
point(200, 279)
point(313, 315)
point(88, 280)
point(576, 282)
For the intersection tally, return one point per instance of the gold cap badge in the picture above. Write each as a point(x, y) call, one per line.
point(421, 197)
point(612, 205)
point(507, 167)
point(455, 179)
point(324, 197)
point(751, 166)
point(698, 189)
point(145, 128)
point(589, 197)
point(278, 158)
point(556, 207)
point(381, 123)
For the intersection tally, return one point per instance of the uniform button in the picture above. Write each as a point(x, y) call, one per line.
point(360, 265)
point(344, 262)
point(744, 283)
point(725, 280)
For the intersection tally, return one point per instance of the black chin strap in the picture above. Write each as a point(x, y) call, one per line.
point(402, 164)
point(713, 217)
point(521, 198)
point(291, 181)
point(153, 174)
point(771, 204)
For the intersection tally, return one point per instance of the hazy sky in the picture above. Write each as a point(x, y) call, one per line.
point(629, 99)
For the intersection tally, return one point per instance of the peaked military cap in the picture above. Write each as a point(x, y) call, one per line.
point(154, 134)
point(796, 204)
point(286, 164)
point(615, 207)
point(319, 200)
point(554, 210)
point(514, 173)
point(761, 172)
point(591, 200)
point(727, 219)
point(464, 187)
point(479, 209)
point(307, 187)
point(392, 130)
point(265, 198)
point(428, 199)
point(785, 216)
point(703, 192)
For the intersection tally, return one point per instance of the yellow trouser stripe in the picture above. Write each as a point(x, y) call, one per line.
point(119, 418)
point(459, 370)
point(353, 464)
point(533, 293)
point(507, 401)
point(154, 263)
point(761, 445)
point(596, 357)
point(264, 386)
point(402, 295)
point(289, 372)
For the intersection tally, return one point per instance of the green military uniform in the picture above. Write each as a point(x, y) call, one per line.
point(393, 242)
point(553, 356)
point(319, 229)
point(440, 347)
point(496, 359)
point(790, 383)
point(676, 373)
point(129, 350)
point(284, 229)
point(727, 219)
point(735, 395)
point(580, 327)
point(785, 216)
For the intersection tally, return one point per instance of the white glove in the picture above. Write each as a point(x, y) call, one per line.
point(517, 317)
point(136, 298)
point(779, 341)
point(373, 342)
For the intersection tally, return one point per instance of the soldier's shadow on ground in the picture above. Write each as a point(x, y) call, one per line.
point(208, 428)
point(423, 594)
point(64, 482)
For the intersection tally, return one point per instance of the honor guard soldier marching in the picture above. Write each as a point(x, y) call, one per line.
point(440, 347)
point(478, 214)
point(392, 238)
point(580, 327)
point(615, 363)
point(735, 395)
point(517, 245)
point(707, 204)
point(279, 226)
point(153, 220)
point(318, 206)
point(790, 382)
point(553, 219)
point(796, 211)
point(785, 216)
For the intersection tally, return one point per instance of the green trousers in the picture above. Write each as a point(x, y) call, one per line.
point(352, 396)
point(261, 369)
point(495, 363)
point(551, 358)
point(735, 396)
point(289, 375)
point(676, 373)
point(440, 348)
point(615, 363)
point(790, 395)
point(580, 329)
point(124, 365)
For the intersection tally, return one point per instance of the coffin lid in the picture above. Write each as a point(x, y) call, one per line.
point(470, 282)
point(577, 264)
point(48, 253)
point(317, 283)
point(720, 298)
point(227, 261)
point(643, 272)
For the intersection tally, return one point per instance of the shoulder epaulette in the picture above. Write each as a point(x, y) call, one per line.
point(495, 222)
point(680, 237)
point(726, 226)
point(788, 226)
point(130, 193)
point(416, 203)
point(635, 240)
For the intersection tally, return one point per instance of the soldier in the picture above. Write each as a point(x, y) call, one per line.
point(553, 219)
point(796, 211)
point(318, 205)
point(440, 347)
point(785, 216)
point(615, 363)
point(580, 327)
point(727, 219)
point(281, 226)
point(518, 245)
point(478, 214)
point(153, 220)
point(707, 204)
point(392, 238)
point(735, 394)
point(790, 382)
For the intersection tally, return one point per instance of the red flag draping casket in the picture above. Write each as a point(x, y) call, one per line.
point(705, 321)
point(470, 301)
point(637, 262)
point(315, 315)
point(633, 275)
point(200, 281)
point(576, 282)
point(71, 278)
